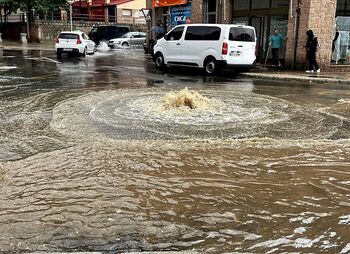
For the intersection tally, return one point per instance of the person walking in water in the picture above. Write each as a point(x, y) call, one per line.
point(311, 48)
point(276, 42)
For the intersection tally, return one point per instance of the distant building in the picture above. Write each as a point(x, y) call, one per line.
point(118, 11)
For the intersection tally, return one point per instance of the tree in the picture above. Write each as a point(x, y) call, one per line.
point(8, 6)
point(40, 6)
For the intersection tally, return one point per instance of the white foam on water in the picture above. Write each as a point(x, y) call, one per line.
point(272, 243)
point(299, 230)
point(6, 68)
point(344, 220)
point(344, 100)
point(346, 249)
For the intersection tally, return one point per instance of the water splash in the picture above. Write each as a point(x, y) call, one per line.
point(185, 99)
point(103, 47)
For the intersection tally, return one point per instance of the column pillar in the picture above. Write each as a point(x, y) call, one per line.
point(318, 16)
point(106, 10)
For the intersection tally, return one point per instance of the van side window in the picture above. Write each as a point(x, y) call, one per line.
point(200, 33)
point(241, 34)
point(176, 34)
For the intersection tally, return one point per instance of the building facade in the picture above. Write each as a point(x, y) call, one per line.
point(329, 19)
point(115, 11)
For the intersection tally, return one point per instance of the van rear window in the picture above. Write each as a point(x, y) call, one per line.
point(241, 34)
point(203, 33)
point(68, 36)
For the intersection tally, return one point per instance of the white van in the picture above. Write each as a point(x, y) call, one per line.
point(208, 46)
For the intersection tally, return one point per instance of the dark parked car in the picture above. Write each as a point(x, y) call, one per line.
point(105, 33)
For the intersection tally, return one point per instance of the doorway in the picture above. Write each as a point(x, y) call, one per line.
point(210, 11)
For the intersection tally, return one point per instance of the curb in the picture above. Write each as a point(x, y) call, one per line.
point(300, 78)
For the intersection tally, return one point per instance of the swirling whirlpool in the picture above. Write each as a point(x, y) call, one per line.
point(144, 114)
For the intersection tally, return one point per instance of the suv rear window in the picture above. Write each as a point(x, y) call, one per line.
point(68, 36)
point(203, 33)
point(241, 34)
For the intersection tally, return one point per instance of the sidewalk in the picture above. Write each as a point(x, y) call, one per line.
point(298, 76)
point(46, 45)
point(269, 73)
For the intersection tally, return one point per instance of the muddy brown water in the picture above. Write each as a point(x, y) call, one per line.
point(90, 160)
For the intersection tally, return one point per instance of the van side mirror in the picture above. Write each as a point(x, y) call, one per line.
point(166, 37)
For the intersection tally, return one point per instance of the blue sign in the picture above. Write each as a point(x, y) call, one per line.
point(181, 14)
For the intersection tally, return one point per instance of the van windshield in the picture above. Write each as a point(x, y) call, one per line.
point(241, 34)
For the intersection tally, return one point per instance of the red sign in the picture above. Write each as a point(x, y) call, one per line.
point(161, 3)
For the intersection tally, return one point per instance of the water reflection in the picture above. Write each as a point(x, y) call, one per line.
point(91, 161)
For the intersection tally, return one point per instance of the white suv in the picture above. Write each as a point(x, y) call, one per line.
point(76, 42)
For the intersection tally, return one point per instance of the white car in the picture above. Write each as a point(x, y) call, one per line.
point(128, 39)
point(75, 42)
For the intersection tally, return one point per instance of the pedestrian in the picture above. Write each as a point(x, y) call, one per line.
point(276, 42)
point(161, 31)
point(311, 48)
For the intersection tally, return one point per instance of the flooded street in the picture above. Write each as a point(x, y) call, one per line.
point(93, 158)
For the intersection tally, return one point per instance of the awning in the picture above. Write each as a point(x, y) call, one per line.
point(161, 3)
point(97, 3)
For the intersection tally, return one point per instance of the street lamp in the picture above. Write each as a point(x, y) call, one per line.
point(70, 14)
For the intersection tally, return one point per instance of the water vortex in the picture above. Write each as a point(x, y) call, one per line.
point(205, 114)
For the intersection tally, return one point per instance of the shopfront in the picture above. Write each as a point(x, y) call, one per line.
point(341, 34)
point(265, 16)
point(171, 12)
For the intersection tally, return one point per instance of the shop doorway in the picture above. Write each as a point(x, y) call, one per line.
point(259, 24)
point(210, 11)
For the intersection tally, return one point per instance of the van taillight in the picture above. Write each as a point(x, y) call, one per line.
point(224, 48)
point(78, 41)
point(57, 40)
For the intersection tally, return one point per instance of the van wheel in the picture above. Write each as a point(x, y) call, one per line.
point(59, 55)
point(125, 44)
point(210, 65)
point(84, 53)
point(159, 61)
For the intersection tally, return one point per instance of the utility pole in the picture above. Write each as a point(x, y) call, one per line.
point(70, 2)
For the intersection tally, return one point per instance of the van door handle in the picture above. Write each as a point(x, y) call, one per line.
point(178, 44)
point(240, 46)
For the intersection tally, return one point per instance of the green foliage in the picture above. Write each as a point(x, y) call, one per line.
point(9, 5)
point(43, 6)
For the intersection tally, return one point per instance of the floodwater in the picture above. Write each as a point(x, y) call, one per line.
point(93, 158)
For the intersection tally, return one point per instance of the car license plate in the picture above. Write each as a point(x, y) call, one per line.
point(67, 49)
point(236, 53)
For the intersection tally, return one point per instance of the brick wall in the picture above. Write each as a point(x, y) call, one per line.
point(197, 11)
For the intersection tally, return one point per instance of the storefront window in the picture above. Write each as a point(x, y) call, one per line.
point(341, 34)
point(281, 24)
point(280, 3)
point(240, 20)
point(210, 11)
point(240, 4)
point(260, 4)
